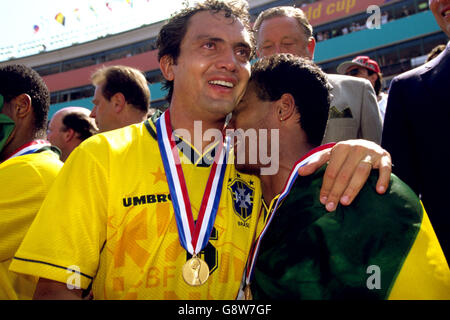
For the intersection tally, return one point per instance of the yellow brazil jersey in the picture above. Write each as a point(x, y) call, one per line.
point(24, 183)
point(109, 218)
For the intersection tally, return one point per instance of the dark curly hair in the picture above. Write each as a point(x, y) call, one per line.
point(16, 79)
point(172, 33)
point(283, 73)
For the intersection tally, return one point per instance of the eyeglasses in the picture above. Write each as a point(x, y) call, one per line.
point(353, 72)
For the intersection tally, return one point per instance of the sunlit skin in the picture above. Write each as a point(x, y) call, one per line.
point(66, 139)
point(441, 12)
point(54, 135)
point(283, 35)
point(215, 57)
point(103, 111)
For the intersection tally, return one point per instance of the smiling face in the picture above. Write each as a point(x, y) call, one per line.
point(441, 12)
point(213, 68)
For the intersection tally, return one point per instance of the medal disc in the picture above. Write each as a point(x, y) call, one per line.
point(195, 272)
point(248, 293)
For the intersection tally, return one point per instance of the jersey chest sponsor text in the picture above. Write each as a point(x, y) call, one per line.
point(146, 199)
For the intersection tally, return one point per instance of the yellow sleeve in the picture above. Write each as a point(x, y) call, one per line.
point(65, 239)
point(426, 264)
point(25, 182)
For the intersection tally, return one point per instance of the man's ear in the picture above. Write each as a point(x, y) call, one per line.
point(118, 101)
point(166, 66)
point(311, 46)
point(69, 135)
point(22, 107)
point(285, 107)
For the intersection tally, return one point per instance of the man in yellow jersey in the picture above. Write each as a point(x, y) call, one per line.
point(121, 97)
point(148, 214)
point(379, 247)
point(28, 166)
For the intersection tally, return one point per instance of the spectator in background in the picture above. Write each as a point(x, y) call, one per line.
point(405, 12)
point(364, 67)
point(354, 111)
point(435, 52)
point(28, 166)
point(121, 97)
point(384, 17)
point(416, 129)
point(69, 127)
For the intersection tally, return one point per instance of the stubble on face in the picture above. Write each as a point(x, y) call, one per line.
point(213, 68)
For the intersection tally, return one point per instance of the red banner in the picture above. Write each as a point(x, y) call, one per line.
point(328, 10)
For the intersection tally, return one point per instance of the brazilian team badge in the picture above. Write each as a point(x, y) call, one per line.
point(242, 194)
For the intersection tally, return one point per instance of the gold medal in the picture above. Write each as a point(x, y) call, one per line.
point(248, 293)
point(195, 271)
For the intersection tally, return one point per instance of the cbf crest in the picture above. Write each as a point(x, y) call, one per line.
point(242, 195)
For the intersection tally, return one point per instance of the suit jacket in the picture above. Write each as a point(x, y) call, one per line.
point(416, 133)
point(354, 112)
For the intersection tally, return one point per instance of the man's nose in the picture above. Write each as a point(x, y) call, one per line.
point(92, 115)
point(227, 60)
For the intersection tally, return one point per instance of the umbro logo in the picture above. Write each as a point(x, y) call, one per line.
point(146, 198)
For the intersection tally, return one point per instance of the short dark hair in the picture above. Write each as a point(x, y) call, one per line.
point(172, 33)
point(16, 79)
point(129, 81)
point(283, 73)
point(79, 122)
point(377, 85)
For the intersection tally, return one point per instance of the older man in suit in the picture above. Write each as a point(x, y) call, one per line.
point(416, 129)
point(354, 111)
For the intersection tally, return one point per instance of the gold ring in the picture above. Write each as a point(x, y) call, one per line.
point(367, 159)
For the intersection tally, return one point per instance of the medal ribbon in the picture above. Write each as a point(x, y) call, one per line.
point(193, 236)
point(287, 188)
point(28, 148)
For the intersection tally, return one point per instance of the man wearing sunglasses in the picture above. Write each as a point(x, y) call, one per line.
point(366, 68)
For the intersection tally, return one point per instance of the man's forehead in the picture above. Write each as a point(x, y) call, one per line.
point(219, 26)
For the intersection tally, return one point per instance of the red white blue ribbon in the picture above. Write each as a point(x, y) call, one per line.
point(287, 188)
point(28, 148)
point(193, 236)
